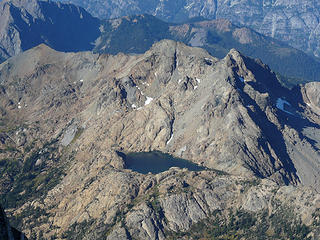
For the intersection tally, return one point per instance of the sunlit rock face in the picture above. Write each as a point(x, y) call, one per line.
point(66, 117)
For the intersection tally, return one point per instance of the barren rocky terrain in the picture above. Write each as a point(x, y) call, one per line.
point(69, 119)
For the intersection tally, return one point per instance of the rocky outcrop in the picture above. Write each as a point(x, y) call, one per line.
point(67, 117)
point(173, 213)
point(26, 24)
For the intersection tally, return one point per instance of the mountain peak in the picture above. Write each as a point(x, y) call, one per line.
point(234, 54)
point(89, 110)
point(167, 46)
point(28, 23)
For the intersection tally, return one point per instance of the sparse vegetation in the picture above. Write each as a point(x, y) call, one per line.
point(240, 224)
point(78, 230)
point(30, 178)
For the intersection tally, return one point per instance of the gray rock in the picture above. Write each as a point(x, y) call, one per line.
point(69, 134)
point(119, 233)
point(181, 211)
point(220, 113)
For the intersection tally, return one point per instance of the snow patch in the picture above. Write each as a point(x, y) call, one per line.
point(181, 150)
point(133, 106)
point(81, 80)
point(198, 80)
point(140, 90)
point(148, 101)
point(179, 80)
point(195, 87)
point(189, 6)
point(169, 139)
point(280, 104)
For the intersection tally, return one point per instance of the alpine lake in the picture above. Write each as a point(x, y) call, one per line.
point(156, 162)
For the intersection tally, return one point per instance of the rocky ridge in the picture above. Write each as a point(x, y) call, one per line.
point(28, 23)
point(136, 34)
point(77, 111)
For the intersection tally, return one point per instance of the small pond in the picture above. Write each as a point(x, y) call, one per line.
point(156, 162)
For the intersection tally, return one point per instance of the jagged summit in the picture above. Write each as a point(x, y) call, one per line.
point(78, 111)
point(137, 33)
point(237, 92)
point(66, 27)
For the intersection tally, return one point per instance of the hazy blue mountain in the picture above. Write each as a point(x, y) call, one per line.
point(28, 23)
point(295, 22)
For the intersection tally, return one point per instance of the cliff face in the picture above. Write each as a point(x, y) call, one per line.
point(295, 22)
point(6, 231)
point(26, 24)
point(66, 117)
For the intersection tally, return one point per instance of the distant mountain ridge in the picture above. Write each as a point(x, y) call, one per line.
point(65, 27)
point(294, 22)
point(28, 23)
point(136, 34)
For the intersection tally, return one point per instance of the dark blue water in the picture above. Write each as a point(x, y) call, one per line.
point(156, 162)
